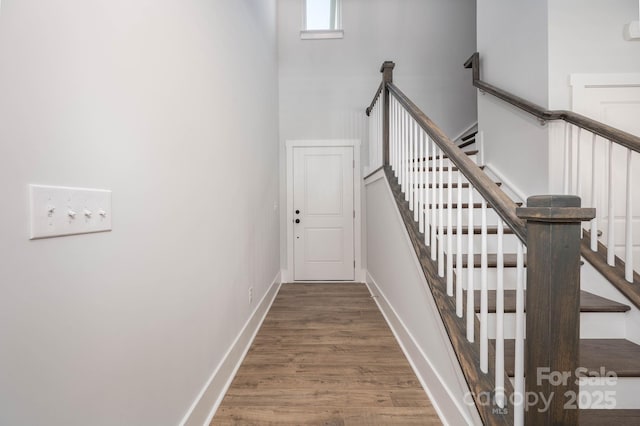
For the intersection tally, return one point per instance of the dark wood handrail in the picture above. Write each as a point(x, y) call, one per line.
point(375, 98)
point(610, 133)
point(501, 203)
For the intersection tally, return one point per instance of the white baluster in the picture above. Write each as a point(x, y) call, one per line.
point(404, 154)
point(500, 392)
point(390, 132)
point(403, 173)
point(459, 304)
point(578, 162)
point(399, 131)
point(471, 314)
point(484, 302)
point(567, 153)
point(578, 177)
point(412, 168)
point(519, 349)
point(434, 204)
point(378, 147)
point(407, 168)
point(611, 241)
point(427, 198)
point(395, 136)
point(418, 162)
point(450, 229)
point(421, 174)
point(441, 216)
point(628, 229)
point(594, 203)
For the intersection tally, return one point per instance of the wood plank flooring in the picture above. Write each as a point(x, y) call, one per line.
point(325, 355)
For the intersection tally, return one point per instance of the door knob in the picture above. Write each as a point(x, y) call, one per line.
point(297, 220)
point(297, 211)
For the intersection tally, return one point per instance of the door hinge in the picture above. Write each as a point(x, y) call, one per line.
point(353, 163)
point(354, 214)
point(354, 264)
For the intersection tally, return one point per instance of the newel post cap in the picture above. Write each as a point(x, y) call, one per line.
point(555, 208)
point(387, 71)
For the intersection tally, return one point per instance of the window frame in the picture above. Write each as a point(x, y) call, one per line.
point(330, 33)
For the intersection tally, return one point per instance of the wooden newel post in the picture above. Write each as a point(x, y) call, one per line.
point(387, 77)
point(553, 307)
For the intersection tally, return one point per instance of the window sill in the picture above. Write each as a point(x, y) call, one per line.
point(321, 34)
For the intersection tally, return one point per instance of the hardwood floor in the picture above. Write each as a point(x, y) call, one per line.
point(325, 355)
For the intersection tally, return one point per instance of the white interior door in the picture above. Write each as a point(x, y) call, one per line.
point(323, 214)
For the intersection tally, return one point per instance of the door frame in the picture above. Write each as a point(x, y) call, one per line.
point(287, 275)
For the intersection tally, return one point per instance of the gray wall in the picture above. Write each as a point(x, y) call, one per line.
point(512, 41)
point(325, 85)
point(585, 36)
point(172, 105)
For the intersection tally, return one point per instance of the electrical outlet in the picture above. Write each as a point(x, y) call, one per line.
point(250, 295)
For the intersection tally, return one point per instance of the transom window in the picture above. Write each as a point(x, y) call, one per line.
point(322, 19)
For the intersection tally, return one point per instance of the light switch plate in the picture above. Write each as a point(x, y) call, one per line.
point(58, 211)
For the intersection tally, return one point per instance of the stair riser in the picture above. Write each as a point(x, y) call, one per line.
point(454, 177)
point(454, 194)
point(492, 217)
point(509, 244)
point(510, 277)
point(593, 325)
point(622, 391)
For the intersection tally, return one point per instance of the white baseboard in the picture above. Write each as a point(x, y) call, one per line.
point(206, 404)
point(449, 409)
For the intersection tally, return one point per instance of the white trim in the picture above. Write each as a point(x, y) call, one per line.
point(414, 353)
point(374, 177)
point(606, 80)
point(357, 200)
point(216, 387)
point(321, 34)
point(480, 142)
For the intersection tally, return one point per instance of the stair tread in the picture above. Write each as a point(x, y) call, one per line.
point(510, 260)
point(589, 302)
point(617, 355)
point(469, 136)
point(477, 230)
point(467, 143)
point(612, 417)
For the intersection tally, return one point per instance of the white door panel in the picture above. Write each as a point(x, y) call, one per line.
point(323, 213)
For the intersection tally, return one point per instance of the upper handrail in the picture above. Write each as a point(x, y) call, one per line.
point(375, 98)
point(610, 133)
point(501, 202)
